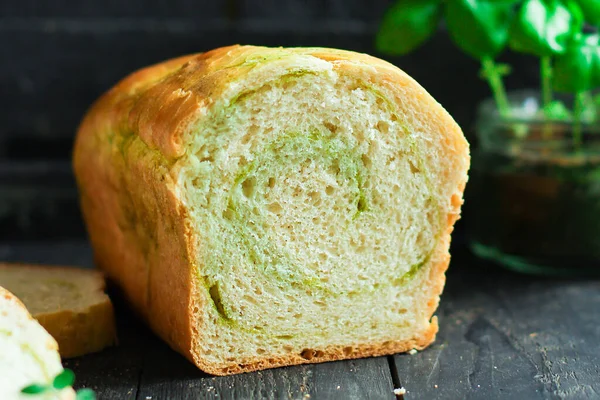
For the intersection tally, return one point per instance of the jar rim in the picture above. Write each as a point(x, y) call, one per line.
point(528, 135)
point(526, 109)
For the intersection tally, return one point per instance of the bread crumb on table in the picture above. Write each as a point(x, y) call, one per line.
point(400, 392)
point(412, 352)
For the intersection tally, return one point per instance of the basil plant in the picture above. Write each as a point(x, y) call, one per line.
point(557, 32)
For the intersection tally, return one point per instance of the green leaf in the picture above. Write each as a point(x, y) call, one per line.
point(590, 10)
point(543, 27)
point(479, 27)
point(578, 69)
point(557, 111)
point(64, 379)
point(577, 14)
point(85, 394)
point(36, 388)
point(407, 25)
point(589, 112)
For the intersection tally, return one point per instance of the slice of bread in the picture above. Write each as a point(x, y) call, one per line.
point(69, 303)
point(28, 354)
point(263, 207)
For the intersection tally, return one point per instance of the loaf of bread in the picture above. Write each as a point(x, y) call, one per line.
point(28, 354)
point(263, 207)
point(69, 303)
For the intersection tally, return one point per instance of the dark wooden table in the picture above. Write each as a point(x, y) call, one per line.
point(502, 336)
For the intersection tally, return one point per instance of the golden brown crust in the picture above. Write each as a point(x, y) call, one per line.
point(83, 332)
point(137, 225)
point(137, 230)
point(85, 328)
point(333, 353)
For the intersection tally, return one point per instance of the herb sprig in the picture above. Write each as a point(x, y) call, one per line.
point(62, 381)
point(555, 31)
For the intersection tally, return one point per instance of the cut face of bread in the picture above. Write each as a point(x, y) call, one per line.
point(69, 303)
point(305, 199)
point(28, 354)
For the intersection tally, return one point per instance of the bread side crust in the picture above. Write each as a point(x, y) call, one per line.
point(82, 330)
point(161, 286)
point(333, 353)
point(136, 224)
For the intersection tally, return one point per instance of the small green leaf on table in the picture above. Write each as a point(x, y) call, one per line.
point(64, 379)
point(36, 388)
point(85, 394)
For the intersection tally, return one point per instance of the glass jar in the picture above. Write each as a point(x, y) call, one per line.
point(534, 194)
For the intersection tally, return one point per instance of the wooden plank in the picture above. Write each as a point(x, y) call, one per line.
point(70, 253)
point(168, 375)
point(39, 201)
point(369, 11)
point(504, 335)
point(114, 373)
point(348, 11)
point(367, 378)
point(293, 10)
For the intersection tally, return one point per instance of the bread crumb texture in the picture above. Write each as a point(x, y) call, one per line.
point(28, 354)
point(317, 189)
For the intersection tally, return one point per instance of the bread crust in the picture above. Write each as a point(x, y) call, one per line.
point(138, 225)
point(87, 328)
point(81, 332)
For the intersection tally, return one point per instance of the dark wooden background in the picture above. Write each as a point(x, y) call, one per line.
point(58, 56)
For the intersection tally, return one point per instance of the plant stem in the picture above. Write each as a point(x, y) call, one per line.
point(577, 111)
point(546, 80)
point(546, 77)
point(494, 79)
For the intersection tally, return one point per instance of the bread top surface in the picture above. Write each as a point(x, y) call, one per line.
point(161, 102)
point(45, 289)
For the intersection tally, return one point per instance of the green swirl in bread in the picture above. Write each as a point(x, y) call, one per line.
point(301, 202)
